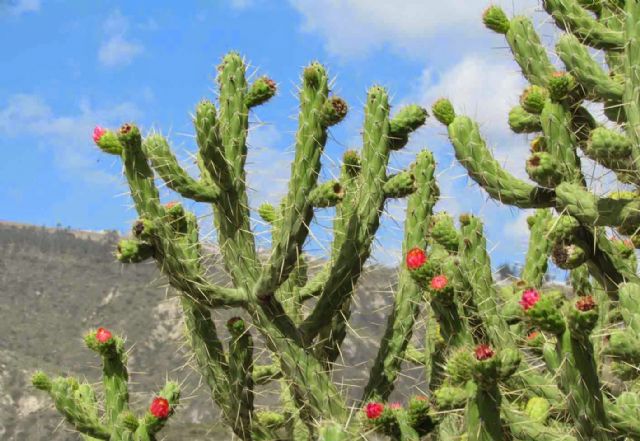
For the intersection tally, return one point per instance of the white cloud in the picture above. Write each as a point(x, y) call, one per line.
point(241, 4)
point(117, 49)
point(68, 135)
point(356, 27)
point(19, 7)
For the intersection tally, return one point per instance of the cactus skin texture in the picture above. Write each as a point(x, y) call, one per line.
point(500, 362)
point(77, 401)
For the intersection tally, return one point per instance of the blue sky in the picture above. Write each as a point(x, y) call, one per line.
point(69, 65)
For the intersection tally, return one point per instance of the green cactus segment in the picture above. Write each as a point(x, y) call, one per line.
point(598, 85)
point(570, 16)
point(474, 155)
point(241, 375)
point(166, 165)
point(115, 377)
point(407, 120)
point(543, 169)
point(528, 428)
point(591, 210)
point(624, 414)
point(476, 266)
point(261, 91)
point(133, 251)
point(560, 141)
point(399, 185)
point(333, 432)
point(528, 51)
point(150, 424)
point(631, 96)
point(521, 121)
point(407, 299)
point(297, 207)
point(138, 173)
point(483, 415)
point(629, 307)
point(579, 378)
point(537, 258)
point(211, 152)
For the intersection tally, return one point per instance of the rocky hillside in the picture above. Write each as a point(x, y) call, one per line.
point(55, 284)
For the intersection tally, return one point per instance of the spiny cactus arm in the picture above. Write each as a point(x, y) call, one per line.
point(596, 82)
point(161, 408)
point(327, 194)
point(629, 294)
point(164, 162)
point(76, 402)
point(624, 414)
point(115, 376)
point(476, 265)
point(536, 261)
point(560, 141)
point(241, 376)
point(631, 96)
point(361, 214)
point(591, 210)
point(570, 16)
point(211, 157)
point(407, 299)
point(263, 374)
point(333, 432)
point(524, 43)
point(317, 113)
point(472, 152)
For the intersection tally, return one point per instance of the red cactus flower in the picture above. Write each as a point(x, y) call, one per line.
point(416, 257)
point(171, 204)
point(439, 282)
point(420, 398)
point(103, 335)
point(160, 408)
point(373, 410)
point(586, 303)
point(97, 133)
point(395, 406)
point(483, 352)
point(529, 298)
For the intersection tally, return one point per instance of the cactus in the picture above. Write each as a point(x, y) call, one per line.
point(77, 400)
point(500, 362)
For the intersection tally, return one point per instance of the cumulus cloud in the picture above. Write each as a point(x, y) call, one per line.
point(356, 27)
point(117, 49)
point(69, 135)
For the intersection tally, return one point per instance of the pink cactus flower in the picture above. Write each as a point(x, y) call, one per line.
point(373, 410)
point(98, 132)
point(103, 335)
point(529, 298)
point(395, 406)
point(439, 282)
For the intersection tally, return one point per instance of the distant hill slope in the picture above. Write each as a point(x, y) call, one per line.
point(56, 284)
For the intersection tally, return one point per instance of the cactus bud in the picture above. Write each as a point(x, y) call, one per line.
point(267, 212)
point(272, 420)
point(533, 99)
point(312, 75)
point(529, 298)
point(351, 162)
point(419, 415)
point(538, 409)
point(560, 85)
point(373, 410)
point(460, 365)
point(41, 381)
point(542, 168)
point(444, 232)
point(608, 144)
point(449, 397)
point(443, 111)
point(521, 121)
point(483, 352)
point(133, 251)
point(103, 335)
point(260, 92)
point(334, 111)
point(129, 421)
point(160, 408)
point(495, 19)
point(569, 256)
